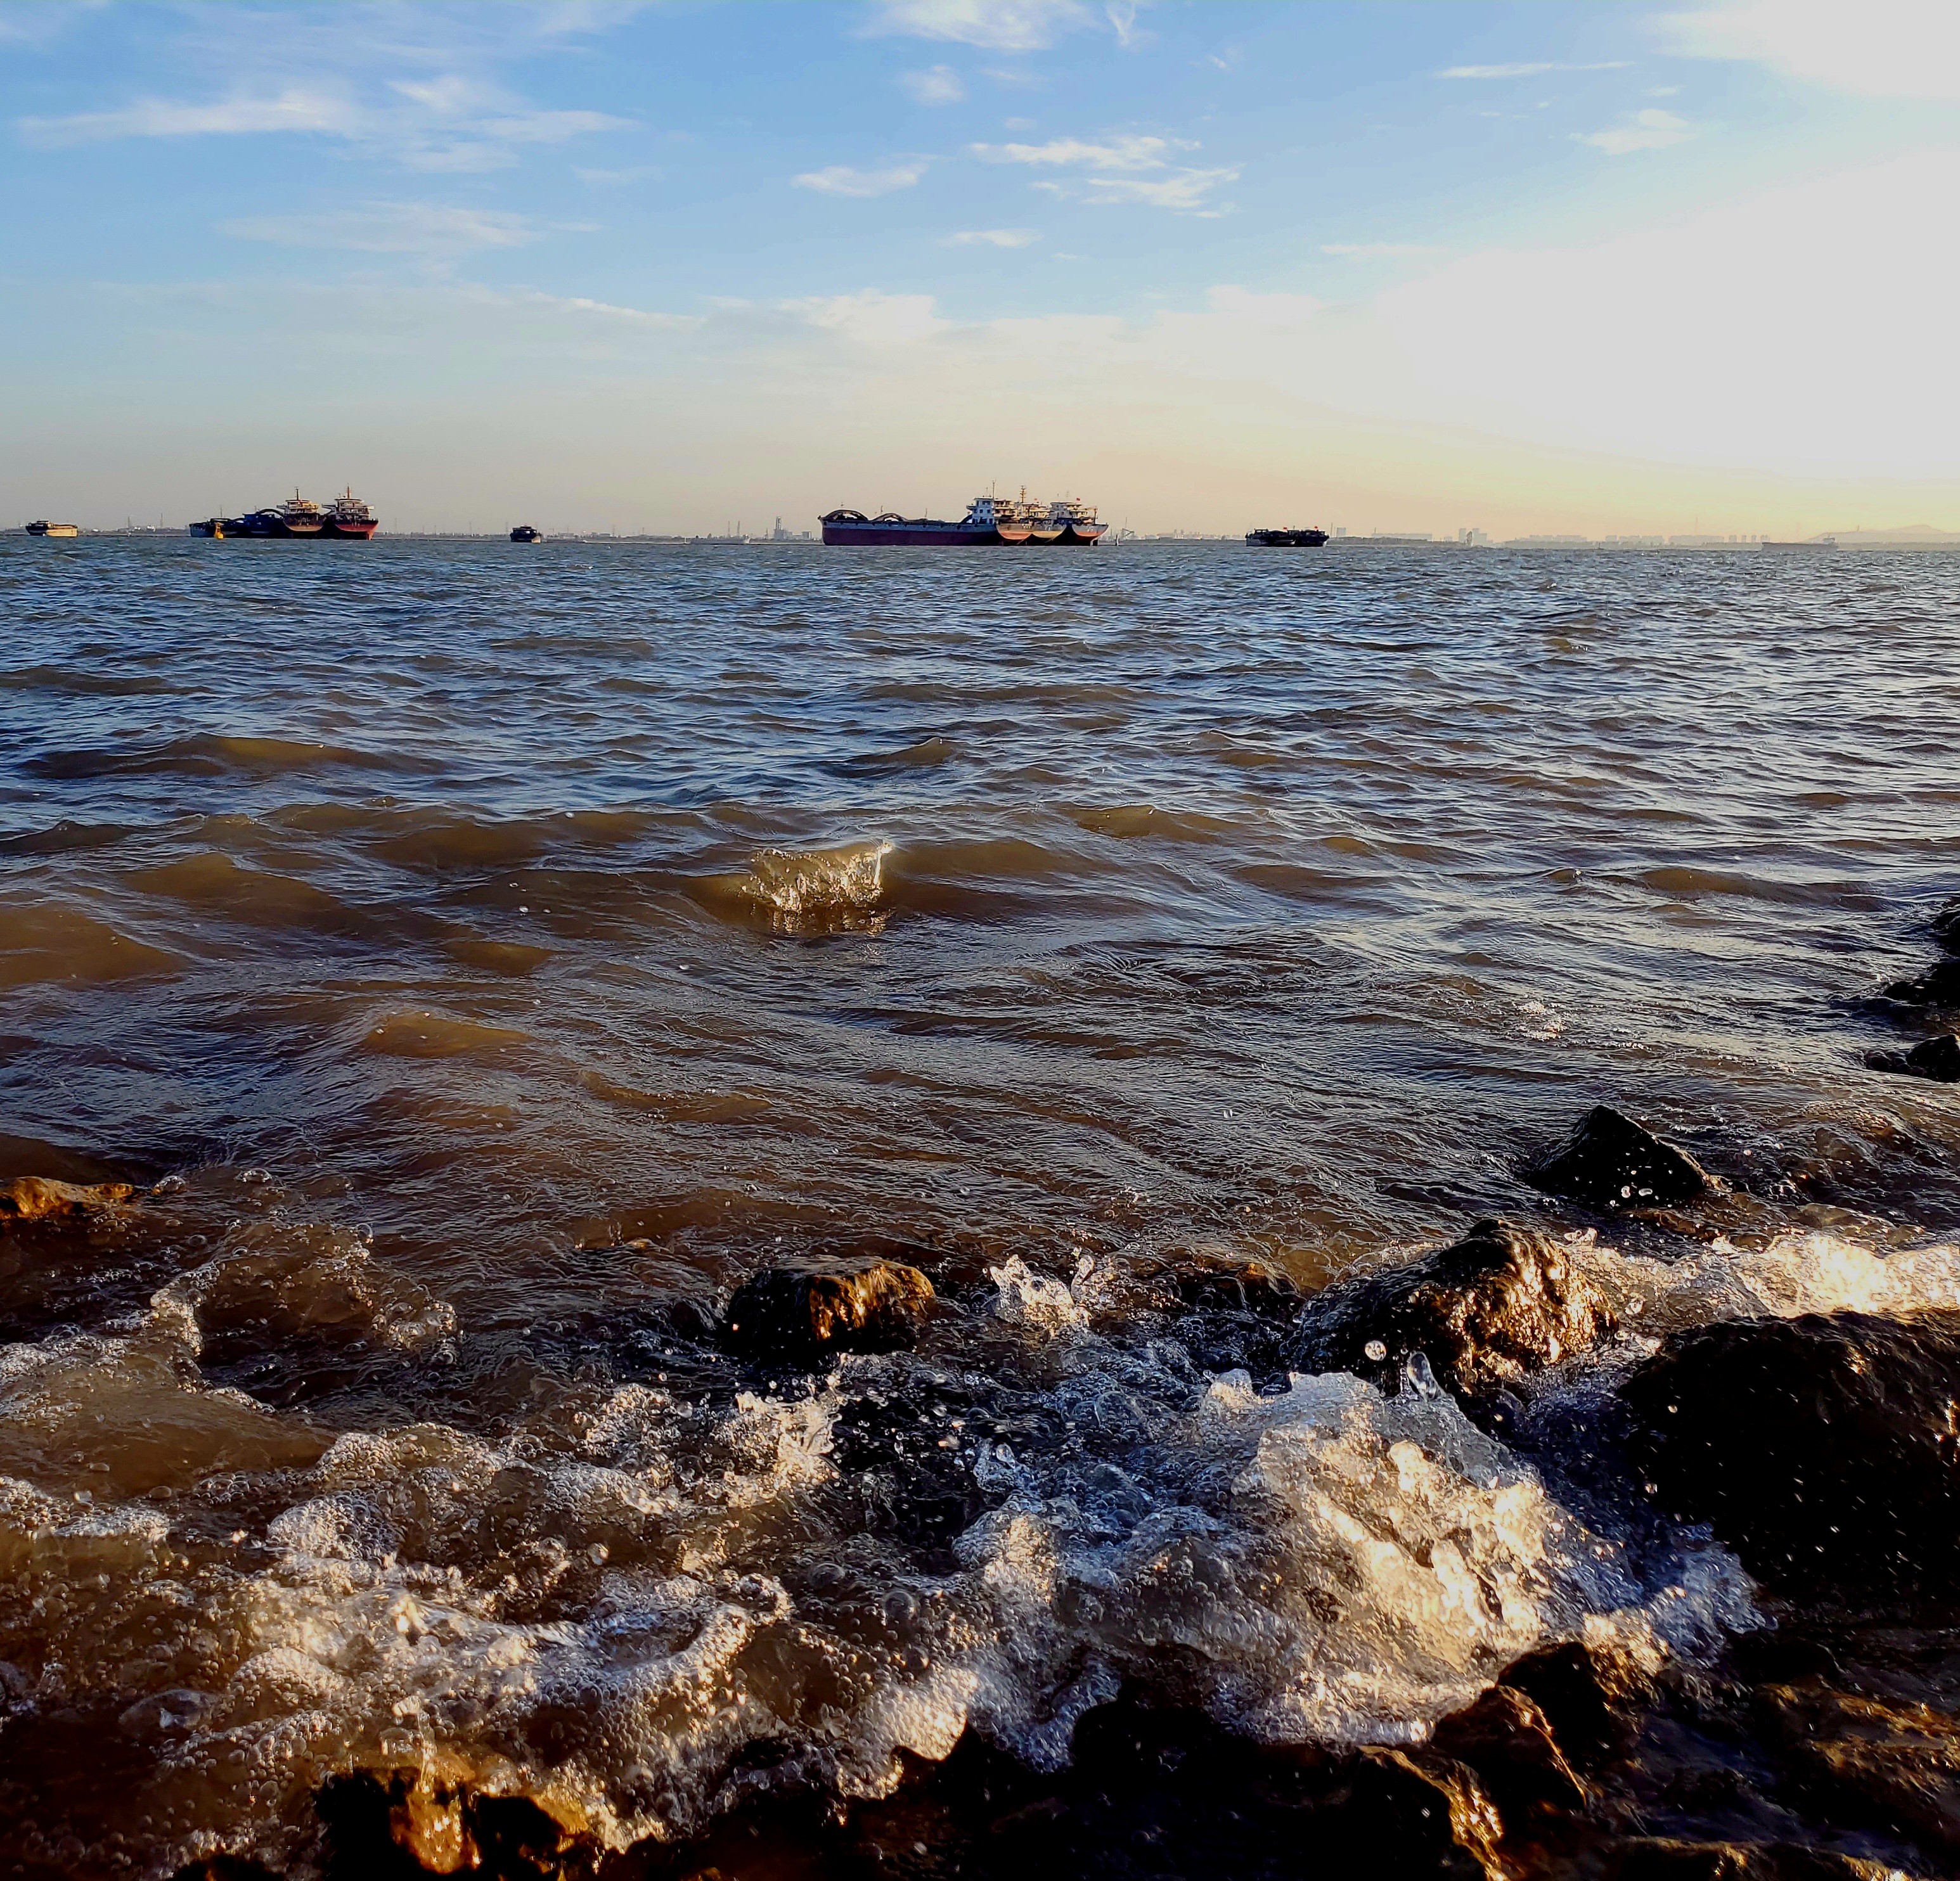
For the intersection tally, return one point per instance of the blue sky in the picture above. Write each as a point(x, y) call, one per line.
point(1598, 266)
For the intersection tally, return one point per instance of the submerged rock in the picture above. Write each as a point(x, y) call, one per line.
point(1502, 1303)
point(36, 1198)
point(1824, 1450)
point(1939, 985)
point(1937, 1058)
point(1610, 1163)
point(797, 1315)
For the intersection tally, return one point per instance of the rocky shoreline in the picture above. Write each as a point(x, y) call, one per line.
point(1822, 1450)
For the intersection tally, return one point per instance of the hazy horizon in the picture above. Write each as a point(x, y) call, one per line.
point(1529, 269)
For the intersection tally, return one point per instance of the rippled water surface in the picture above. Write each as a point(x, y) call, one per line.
point(501, 952)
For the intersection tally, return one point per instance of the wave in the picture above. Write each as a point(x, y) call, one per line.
point(806, 891)
point(208, 755)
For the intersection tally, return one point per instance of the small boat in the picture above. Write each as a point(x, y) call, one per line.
point(53, 529)
point(1286, 539)
point(524, 533)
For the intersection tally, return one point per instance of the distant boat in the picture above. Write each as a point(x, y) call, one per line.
point(989, 522)
point(1286, 539)
point(1820, 542)
point(524, 533)
point(53, 529)
point(346, 519)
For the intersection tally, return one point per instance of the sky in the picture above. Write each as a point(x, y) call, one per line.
point(1598, 268)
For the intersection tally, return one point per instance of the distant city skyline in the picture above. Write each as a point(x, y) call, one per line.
point(1559, 269)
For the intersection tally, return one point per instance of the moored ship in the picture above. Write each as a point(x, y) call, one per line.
point(524, 532)
point(53, 529)
point(1286, 538)
point(990, 521)
point(346, 519)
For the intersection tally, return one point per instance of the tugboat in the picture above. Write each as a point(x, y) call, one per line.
point(1286, 539)
point(524, 533)
point(53, 529)
point(990, 521)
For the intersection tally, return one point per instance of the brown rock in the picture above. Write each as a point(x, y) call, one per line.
point(1898, 1765)
point(783, 1313)
point(1610, 1163)
point(1507, 1738)
point(1501, 1303)
point(36, 1198)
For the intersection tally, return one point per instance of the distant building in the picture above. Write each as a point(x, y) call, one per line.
point(1473, 539)
point(1548, 542)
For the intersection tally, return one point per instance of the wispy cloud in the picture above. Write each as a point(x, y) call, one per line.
point(1117, 152)
point(1880, 49)
point(389, 228)
point(294, 109)
point(1378, 248)
point(840, 179)
point(1146, 175)
point(616, 179)
point(1000, 26)
point(445, 123)
point(1645, 130)
point(940, 85)
point(991, 238)
point(1529, 68)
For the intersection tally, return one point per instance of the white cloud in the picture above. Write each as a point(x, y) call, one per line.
point(840, 179)
point(446, 123)
point(1529, 69)
point(389, 228)
point(940, 85)
point(1645, 130)
point(1119, 153)
point(1160, 185)
point(998, 25)
point(991, 238)
point(1377, 248)
point(294, 109)
point(1185, 192)
point(615, 179)
point(1878, 49)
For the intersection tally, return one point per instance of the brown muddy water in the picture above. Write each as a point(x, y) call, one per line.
point(492, 956)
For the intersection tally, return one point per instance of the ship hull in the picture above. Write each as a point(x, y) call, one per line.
point(921, 534)
point(1287, 538)
point(929, 535)
point(265, 530)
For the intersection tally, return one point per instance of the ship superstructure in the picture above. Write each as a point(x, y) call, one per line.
point(991, 521)
point(345, 519)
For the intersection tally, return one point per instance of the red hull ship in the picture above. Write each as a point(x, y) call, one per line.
point(346, 519)
point(990, 521)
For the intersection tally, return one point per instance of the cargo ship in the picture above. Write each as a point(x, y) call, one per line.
point(990, 521)
point(345, 519)
point(1286, 538)
point(53, 529)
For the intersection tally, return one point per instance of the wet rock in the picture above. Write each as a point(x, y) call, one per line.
point(1667, 1858)
point(1232, 1286)
point(1946, 927)
point(1502, 1303)
point(407, 1824)
point(798, 1316)
point(1824, 1449)
point(1938, 986)
point(1610, 1163)
point(39, 1197)
point(1897, 1766)
point(1937, 1058)
point(1507, 1739)
point(1591, 1698)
